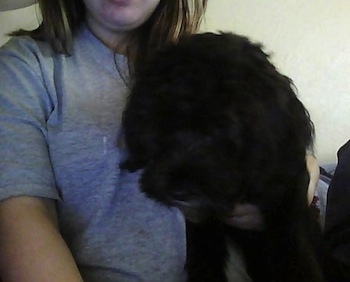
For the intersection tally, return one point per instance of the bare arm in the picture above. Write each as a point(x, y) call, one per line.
point(314, 172)
point(7, 5)
point(31, 248)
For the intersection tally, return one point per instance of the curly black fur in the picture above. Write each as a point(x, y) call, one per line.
point(213, 123)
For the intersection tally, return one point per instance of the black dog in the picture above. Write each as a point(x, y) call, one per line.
point(213, 123)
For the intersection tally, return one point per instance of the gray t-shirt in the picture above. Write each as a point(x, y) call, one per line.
point(60, 138)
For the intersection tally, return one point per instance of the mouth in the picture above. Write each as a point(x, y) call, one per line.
point(190, 209)
point(120, 2)
point(193, 215)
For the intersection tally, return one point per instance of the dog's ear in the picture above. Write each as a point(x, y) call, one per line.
point(297, 123)
point(304, 124)
point(139, 137)
point(140, 122)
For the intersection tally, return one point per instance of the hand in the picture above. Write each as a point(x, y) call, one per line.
point(246, 216)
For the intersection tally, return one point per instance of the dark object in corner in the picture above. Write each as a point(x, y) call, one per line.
point(337, 223)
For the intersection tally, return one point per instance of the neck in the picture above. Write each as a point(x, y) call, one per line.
point(112, 39)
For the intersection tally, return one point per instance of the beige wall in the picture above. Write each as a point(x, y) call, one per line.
point(310, 42)
point(23, 18)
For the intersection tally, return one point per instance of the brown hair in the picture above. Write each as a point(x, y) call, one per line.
point(171, 20)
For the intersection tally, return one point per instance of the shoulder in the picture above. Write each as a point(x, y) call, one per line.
point(25, 48)
point(23, 54)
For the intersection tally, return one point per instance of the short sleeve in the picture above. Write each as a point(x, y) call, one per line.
point(25, 106)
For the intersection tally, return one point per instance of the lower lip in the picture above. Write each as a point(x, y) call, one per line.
point(121, 2)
